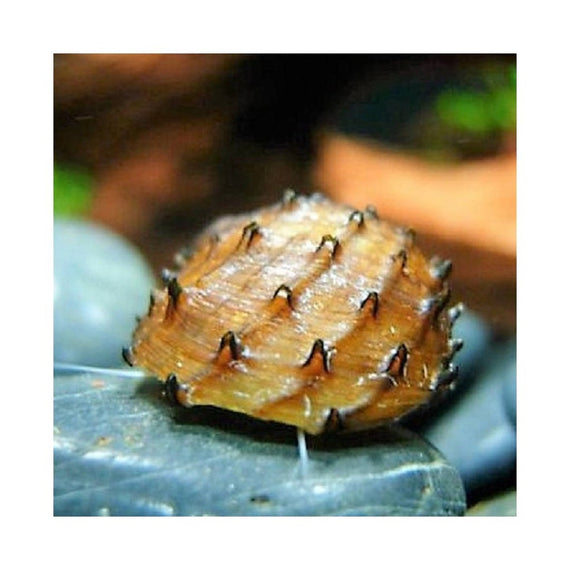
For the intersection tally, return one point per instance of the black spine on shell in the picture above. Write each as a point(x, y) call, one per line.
point(395, 367)
point(284, 291)
point(447, 376)
point(371, 212)
point(171, 388)
point(289, 197)
point(249, 233)
point(333, 240)
point(455, 312)
point(128, 355)
point(319, 348)
point(174, 289)
point(440, 268)
point(373, 300)
point(358, 217)
point(334, 421)
point(231, 341)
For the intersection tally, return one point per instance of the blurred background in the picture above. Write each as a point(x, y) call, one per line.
point(155, 146)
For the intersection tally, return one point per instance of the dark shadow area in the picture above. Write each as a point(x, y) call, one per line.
point(264, 431)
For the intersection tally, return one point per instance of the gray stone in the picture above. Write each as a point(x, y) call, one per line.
point(476, 335)
point(503, 505)
point(121, 449)
point(475, 434)
point(101, 283)
point(509, 392)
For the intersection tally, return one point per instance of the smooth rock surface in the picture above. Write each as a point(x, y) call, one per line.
point(475, 434)
point(101, 283)
point(503, 505)
point(510, 393)
point(121, 449)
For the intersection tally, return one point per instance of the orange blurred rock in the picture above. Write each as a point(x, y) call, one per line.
point(95, 75)
point(472, 202)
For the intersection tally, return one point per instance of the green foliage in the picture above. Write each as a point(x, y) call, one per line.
point(483, 111)
point(72, 191)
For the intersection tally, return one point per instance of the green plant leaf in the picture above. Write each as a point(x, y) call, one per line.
point(72, 190)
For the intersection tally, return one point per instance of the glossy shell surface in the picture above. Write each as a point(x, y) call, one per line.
point(308, 313)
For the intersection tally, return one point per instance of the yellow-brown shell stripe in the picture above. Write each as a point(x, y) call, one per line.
point(174, 290)
point(311, 276)
point(249, 231)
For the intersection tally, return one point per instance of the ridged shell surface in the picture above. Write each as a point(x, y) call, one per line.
point(308, 313)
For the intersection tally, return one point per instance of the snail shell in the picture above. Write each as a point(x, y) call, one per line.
point(308, 313)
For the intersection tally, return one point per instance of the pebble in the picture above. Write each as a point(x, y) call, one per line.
point(477, 336)
point(101, 283)
point(502, 505)
point(509, 393)
point(160, 459)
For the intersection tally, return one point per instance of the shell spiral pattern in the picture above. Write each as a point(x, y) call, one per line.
point(308, 313)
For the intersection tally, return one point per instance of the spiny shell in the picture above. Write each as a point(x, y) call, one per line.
point(307, 313)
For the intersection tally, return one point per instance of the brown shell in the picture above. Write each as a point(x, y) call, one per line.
point(308, 313)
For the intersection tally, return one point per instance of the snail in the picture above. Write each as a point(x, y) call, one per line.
point(306, 312)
